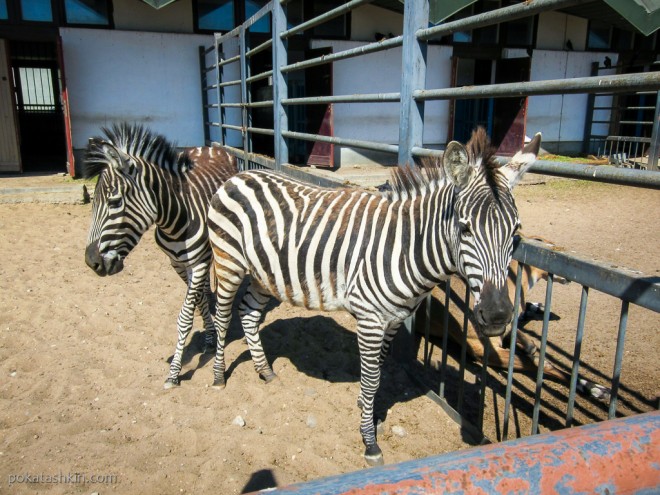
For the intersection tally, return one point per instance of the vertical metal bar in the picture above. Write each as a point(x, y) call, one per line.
point(482, 388)
point(206, 111)
point(654, 148)
point(512, 354)
point(544, 343)
point(220, 92)
point(618, 358)
point(413, 77)
point(280, 89)
point(427, 330)
point(247, 145)
point(445, 338)
point(461, 368)
point(576, 355)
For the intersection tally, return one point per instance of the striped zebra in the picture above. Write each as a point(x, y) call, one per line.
point(376, 256)
point(143, 181)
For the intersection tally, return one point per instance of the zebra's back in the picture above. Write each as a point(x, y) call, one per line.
point(303, 244)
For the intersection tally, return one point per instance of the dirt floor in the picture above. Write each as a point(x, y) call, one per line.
point(83, 360)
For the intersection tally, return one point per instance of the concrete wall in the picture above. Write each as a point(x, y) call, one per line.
point(147, 78)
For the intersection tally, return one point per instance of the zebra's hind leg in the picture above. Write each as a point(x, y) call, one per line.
point(207, 309)
point(226, 288)
point(250, 311)
point(194, 297)
point(370, 341)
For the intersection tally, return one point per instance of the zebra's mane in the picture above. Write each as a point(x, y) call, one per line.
point(137, 141)
point(417, 179)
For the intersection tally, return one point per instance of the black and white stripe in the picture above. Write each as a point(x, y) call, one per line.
point(143, 181)
point(374, 256)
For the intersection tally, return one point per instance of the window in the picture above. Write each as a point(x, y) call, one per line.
point(36, 87)
point(600, 35)
point(4, 13)
point(215, 15)
point(263, 24)
point(91, 12)
point(36, 10)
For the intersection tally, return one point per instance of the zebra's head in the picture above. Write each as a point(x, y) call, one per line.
point(123, 207)
point(485, 219)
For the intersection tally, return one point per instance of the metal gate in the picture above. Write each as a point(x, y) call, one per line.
point(229, 122)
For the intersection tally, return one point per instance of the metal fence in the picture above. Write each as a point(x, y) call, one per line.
point(228, 98)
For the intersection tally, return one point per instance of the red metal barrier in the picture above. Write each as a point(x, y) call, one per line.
point(613, 457)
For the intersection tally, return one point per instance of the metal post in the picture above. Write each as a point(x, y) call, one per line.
point(654, 148)
point(413, 77)
point(280, 90)
point(220, 92)
point(247, 144)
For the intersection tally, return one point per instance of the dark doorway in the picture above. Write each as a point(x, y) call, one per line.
point(509, 114)
point(318, 82)
point(472, 113)
point(37, 81)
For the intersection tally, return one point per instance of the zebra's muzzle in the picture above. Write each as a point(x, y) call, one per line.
point(494, 310)
point(106, 264)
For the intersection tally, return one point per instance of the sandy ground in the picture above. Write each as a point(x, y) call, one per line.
point(83, 360)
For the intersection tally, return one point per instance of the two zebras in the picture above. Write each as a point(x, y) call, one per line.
point(376, 256)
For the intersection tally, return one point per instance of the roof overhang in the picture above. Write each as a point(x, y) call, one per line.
point(158, 4)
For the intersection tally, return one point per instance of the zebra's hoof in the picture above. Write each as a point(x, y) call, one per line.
point(219, 383)
point(268, 376)
point(374, 456)
point(171, 383)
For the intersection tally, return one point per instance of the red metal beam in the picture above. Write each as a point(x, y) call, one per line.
point(617, 456)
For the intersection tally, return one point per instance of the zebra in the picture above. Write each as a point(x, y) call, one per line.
point(143, 181)
point(374, 255)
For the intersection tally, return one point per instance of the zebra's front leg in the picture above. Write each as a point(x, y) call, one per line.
point(370, 341)
point(184, 324)
point(250, 311)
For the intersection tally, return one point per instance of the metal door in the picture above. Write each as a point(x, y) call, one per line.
point(10, 155)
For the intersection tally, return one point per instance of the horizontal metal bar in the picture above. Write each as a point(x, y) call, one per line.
point(518, 11)
point(633, 139)
point(235, 82)
point(351, 143)
point(209, 68)
point(353, 52)
point(417, 151)
point(363, 98)
point(628, 285)
point(583, 459)
point(623, 83)
point(260, 104)
point(331, 14)
point(232, 105)
point(637, 108)
point(262, 160)
point(257, 77)
point(259, 130)
point(259, 48)
point(229, 60)
point(599, 173)
point(636, 122)
point(209, 49)
point(233, 127)
point(210, 105)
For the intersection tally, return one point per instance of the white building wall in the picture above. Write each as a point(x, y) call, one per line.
point(146, 78)
point(561, 118)
point(381, 73)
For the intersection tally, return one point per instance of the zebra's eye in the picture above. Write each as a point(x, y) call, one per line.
point(465, 228)
point(115, 201)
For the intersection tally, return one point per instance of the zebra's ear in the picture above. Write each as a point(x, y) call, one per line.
point(117, 159)
point(456, 164)
point(522, 160)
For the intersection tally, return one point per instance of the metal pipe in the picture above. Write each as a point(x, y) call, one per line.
point(361, 98)
point(463, 359)
point(352, 143)
point(579, 335)
point(261, 75)
point(259, 48)
point(512, 353)
point(544, 345)
point(445, 336)
point(353, 52)
point(599, 173)
point(623, 83)
point(616, 456)
point(518, 11)
point(628, 285)
point(618, 358)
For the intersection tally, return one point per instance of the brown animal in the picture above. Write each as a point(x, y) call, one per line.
point(527, 357)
